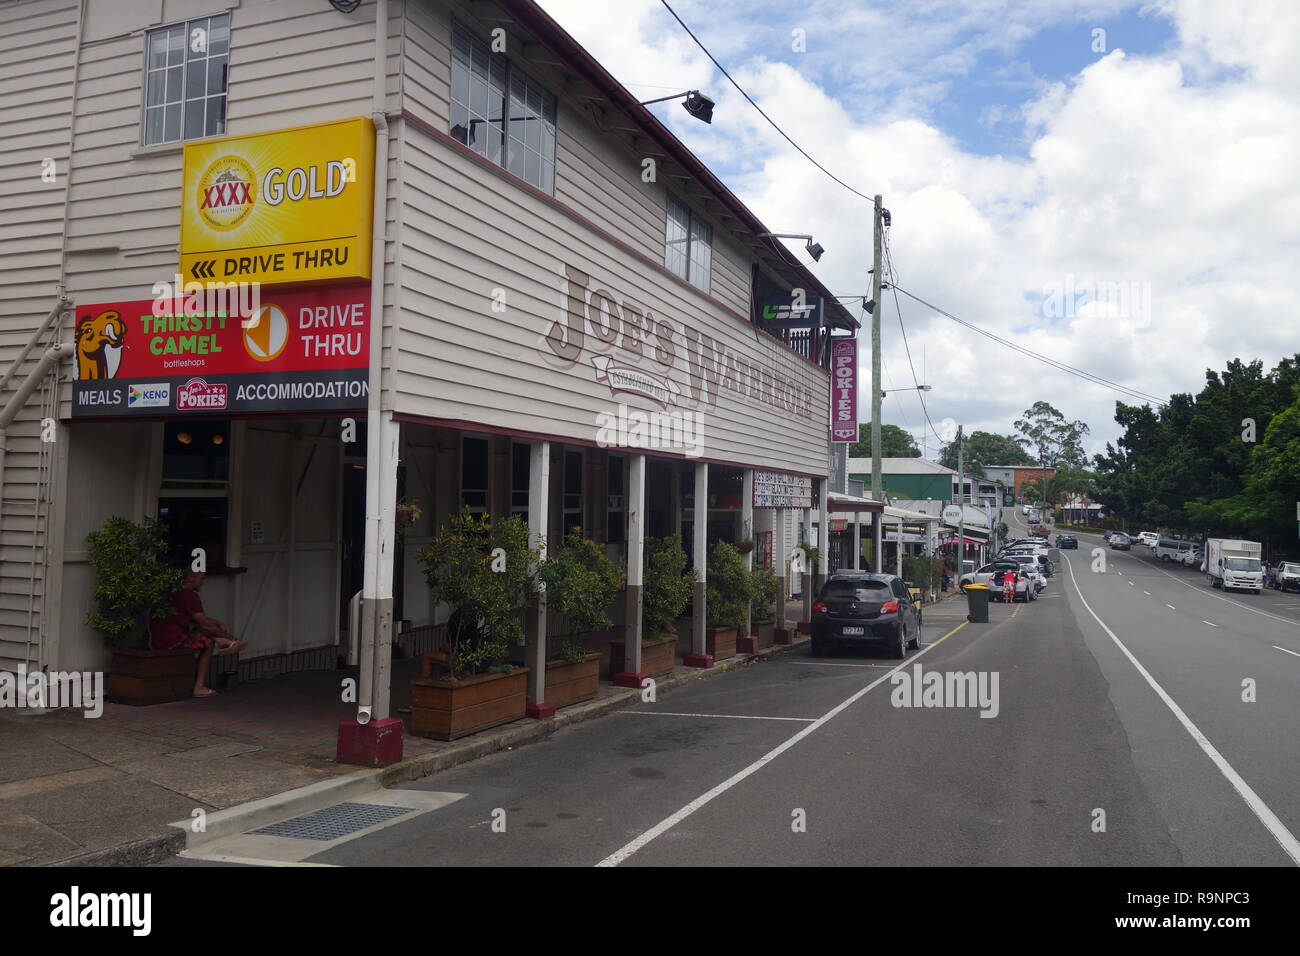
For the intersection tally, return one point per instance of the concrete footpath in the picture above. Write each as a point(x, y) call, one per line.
point(105, 791)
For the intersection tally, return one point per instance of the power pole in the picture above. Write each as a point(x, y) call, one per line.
point(877, 491)
point(961, 503)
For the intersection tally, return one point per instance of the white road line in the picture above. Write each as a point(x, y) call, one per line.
point(1130, 584)
point(834, 663)
point(1211, 623)
point(668, 713)
point(1171, 607)
point(1276, 827)
point(663, 826)
point(1147, 593)
point(1217, 597)
point(1285, 651)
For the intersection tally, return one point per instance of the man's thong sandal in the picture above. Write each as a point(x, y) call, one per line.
point(234, 648)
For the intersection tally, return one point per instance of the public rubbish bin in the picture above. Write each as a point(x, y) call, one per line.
point(977, 597)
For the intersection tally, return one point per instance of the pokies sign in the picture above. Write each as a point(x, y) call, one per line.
point(844, 390)
point(300, 349)
point(292, 205)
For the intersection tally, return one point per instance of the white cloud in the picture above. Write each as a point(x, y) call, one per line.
point(1175, 171)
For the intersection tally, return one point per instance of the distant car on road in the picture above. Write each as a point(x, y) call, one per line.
point(1149, 538)
point(865, 609)
point(1286, 576)
point(991, 575)
point(1033, 517)
point(1067, 541)
point(1119, 541)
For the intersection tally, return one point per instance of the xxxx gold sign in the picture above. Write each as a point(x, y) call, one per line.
point(293, 205)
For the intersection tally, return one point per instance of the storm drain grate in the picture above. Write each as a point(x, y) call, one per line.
point(333, 823)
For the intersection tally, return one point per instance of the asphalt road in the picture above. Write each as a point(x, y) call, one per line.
point(1116, 735)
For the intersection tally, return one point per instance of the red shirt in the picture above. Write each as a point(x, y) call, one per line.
point(168, 632)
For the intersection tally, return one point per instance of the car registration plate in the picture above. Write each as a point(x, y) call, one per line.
point(851, 631)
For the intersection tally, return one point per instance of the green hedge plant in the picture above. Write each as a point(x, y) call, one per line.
point(766, 590)
point(134, 583)
point(668, 585)
point(730, 587)
point(486, 571)
point(581, 582)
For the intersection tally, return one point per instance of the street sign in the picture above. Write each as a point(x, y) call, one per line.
point(1008, 500)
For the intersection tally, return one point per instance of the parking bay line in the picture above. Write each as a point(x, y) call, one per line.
point(831, 664)
point(1275, 827)
point(618, 856)
point(1285, 651)
point(666, 713)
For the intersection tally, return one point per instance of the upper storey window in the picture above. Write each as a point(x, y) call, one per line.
point(185, 80)
point(501, 113)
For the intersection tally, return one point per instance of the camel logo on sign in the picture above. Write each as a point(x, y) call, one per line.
point(267, 334)
point(227, 193)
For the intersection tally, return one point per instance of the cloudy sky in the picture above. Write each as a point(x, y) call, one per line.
point(1029, 151)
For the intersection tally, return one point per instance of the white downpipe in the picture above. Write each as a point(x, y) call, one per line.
point(374, 412)
point(61, 306)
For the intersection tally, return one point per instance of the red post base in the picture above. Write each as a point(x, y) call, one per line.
point(805, 627)
point(747, 645)
point(540, 710)
point(376, 744)
point(698, 660)
point(633, 679)
point(781, 635)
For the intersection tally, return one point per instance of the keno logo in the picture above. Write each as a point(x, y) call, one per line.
point(198, 394)
point(227, 193)
point(149, 395)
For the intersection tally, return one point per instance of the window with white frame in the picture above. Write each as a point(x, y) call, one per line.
point(500, 112)
point(615, 512)
point(474, 474)
point(521, 464)
point(185, 80)
point(688, 244)
point(572, 491)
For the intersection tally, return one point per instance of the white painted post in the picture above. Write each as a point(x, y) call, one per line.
point(747, 529)
point(701, 545)
point(857, 541)
point(539, 498)
point(635, 561)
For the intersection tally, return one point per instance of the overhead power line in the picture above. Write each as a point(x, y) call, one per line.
point(1080, 373)
point(893, 282)
point(760, 109)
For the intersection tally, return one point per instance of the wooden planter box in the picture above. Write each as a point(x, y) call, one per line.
point(570, 682)
point(140, 678)
point(658, 655)
point(763, 630)
point(446, 709)
point(720, 642)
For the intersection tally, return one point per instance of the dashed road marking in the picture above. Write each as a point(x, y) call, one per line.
point(1285, 651)
point(669, 713)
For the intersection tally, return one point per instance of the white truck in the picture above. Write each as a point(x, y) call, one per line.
point(1230, 563)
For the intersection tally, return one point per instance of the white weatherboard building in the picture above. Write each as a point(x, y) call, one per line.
point(474, 265)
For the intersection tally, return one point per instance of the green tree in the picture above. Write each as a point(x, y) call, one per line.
point(894, 443)
point(1055, 441)
point(484, 569)
point(985, 449)
point(135, 584)
point(669, 584)
point(581, 582)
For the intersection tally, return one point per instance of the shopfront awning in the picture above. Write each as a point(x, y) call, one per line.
point(848, 504)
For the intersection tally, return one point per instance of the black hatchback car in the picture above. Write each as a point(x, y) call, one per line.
point(860, 609)
point(1067, 541)
point(1119, 541)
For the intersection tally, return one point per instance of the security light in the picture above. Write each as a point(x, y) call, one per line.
point(696, 103)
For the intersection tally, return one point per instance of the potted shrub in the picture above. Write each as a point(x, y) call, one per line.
point(762, 608)
point(484, 569)
point(667, 588)
point(580, 582)
point(134, 586)
point(730, 589)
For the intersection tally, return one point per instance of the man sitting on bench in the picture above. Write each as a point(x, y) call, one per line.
point(188, 627)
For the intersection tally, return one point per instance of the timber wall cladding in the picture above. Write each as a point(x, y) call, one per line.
point(467, 231)
point(38, 41)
